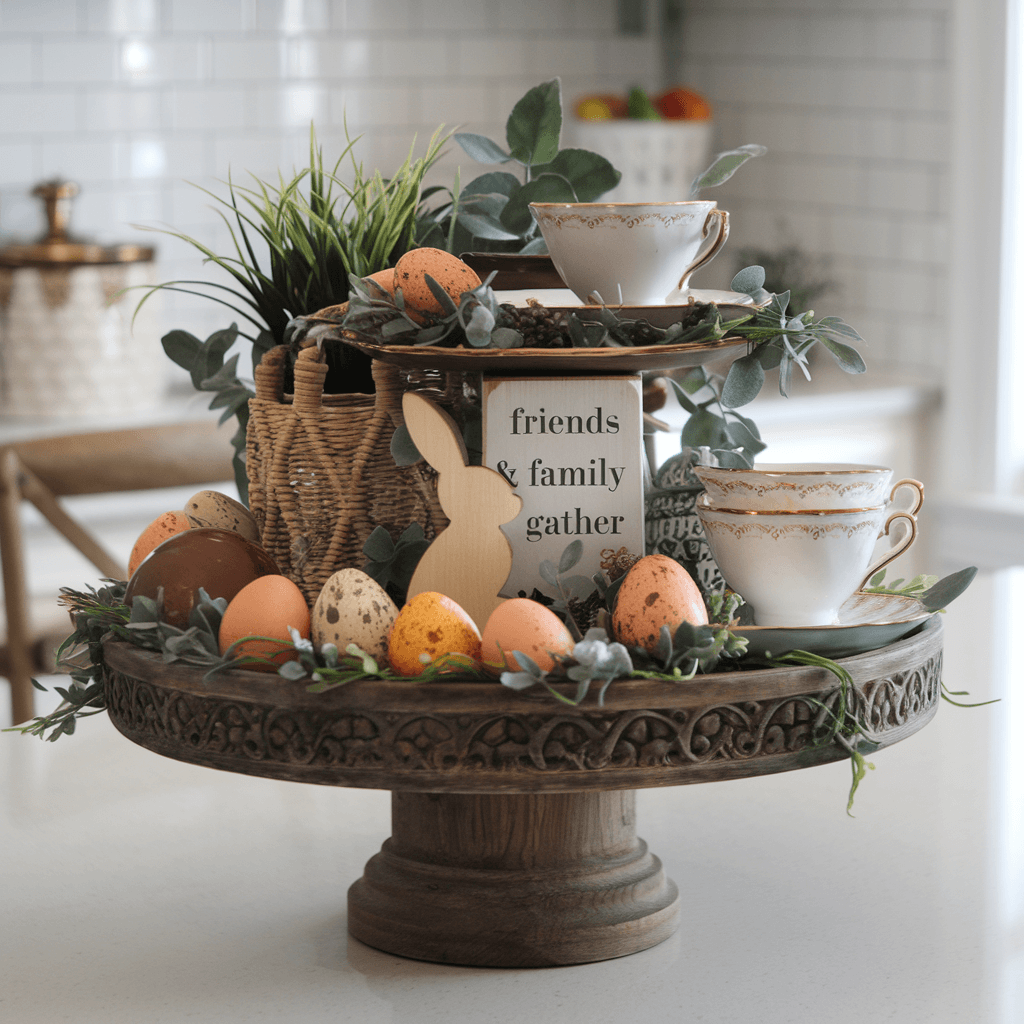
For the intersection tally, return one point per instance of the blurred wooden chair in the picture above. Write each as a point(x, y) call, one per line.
point(43, 470)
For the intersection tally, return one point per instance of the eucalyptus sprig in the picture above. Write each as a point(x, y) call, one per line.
point(492, 212)
point(96, 614)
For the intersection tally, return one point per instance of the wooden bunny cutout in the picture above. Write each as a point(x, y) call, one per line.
point(470, 560)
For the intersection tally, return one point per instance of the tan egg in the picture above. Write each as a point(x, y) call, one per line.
point(384, 279)
point(355, 609)
point(454, 276)
point(211, 508)
point(656, 592)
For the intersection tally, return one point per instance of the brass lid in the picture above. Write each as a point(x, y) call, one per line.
point(57, 247)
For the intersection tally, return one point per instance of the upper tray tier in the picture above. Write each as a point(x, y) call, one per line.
point(479, 737)
point(547, 360)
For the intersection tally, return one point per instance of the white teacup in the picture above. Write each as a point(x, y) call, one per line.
point(796, 568)
point(805, 485)
point(630, 253)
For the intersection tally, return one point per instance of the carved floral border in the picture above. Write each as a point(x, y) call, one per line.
point(543, 741)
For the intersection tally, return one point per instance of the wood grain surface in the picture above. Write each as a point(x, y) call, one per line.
point(519, 880)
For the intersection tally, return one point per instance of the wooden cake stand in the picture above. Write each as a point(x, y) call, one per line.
point(513, 816)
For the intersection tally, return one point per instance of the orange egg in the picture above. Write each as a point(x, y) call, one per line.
point(454, 276)
point(527, 626)
point(167, 525)
point(384, 279)
point(428, 627)
point(656, 592)
point(266, 607)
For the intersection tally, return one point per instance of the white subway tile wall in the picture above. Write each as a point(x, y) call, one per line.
point(852, 97)
point(134, 98)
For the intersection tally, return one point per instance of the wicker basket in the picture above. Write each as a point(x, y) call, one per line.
point(321, 474)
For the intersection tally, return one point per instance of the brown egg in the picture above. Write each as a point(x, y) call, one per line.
point(656, 592)
point(454, 276)
point(211, 508)
point(164, 526)
point(219, 561)
point(527, 626)
point(267, 607)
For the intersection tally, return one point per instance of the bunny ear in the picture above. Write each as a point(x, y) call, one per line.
point(434, 433)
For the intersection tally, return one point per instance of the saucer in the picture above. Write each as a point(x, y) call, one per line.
point(866, 622)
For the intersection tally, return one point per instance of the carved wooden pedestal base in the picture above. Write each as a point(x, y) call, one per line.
point(514, 840)
point(516, 880)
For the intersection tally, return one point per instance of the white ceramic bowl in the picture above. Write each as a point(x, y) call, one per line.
point(630, 253)
point(797, 568)
point(805, 486)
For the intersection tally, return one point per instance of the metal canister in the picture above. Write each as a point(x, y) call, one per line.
point(68, 346)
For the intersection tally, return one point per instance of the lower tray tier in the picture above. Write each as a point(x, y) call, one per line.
point(479, 737)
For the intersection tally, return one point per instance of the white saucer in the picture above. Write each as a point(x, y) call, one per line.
point(551, 297)
point(866, 622)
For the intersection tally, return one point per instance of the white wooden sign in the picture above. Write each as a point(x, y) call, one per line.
point(572, 448)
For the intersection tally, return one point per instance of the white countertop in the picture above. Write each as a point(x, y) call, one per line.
point(140, 890)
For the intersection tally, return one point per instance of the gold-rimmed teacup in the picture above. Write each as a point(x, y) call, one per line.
point(619, 254)
point(807, 486)
point(797, 567)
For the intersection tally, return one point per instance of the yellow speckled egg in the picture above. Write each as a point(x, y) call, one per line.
point(354, 608)
point(167, 525)
point(264, 608)
point(527, 626)
point(656, 592)
point(454, 276)
point(211, 508)
point(427, 627)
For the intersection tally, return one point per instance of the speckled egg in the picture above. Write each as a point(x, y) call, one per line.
point(427, 627)
point(656, 592)
point(454, 276)
point(267, 607)
point(354, 608)
point(527, 626)
point(164, 526)
point(219, 561)
point(211, 508)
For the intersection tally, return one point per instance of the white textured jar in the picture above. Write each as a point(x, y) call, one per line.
point(68, 347)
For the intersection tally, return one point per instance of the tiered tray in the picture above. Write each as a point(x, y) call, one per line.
point(514, 839)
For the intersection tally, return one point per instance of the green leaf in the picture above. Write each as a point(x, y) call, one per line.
point(740, 437)
point(732, 460)
point(506, 337)
point(684, 399)
point(769, 356)
point(444, 299)
point(724, 166)
point(848, 358)
point(483, 226)
point(536, 247)
point(743, 382)
point(749, 281)
point(403, 449)
point(379, 546)
point(493, 182)
point(482, 149)
point(570, 556)
point(705, 428)
point(948, 589)
point(548, 188)
point(589, 174)
point(215, 347)
point(535, 124)
point(185, 349)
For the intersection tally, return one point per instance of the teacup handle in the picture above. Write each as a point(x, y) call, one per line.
point(719, 220)
point(917, 487)
point(898, 548)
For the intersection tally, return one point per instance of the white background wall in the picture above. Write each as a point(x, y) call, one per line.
point(852, 97)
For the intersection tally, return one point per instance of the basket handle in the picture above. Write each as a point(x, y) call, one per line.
point(310, 373)
point(269, 374)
